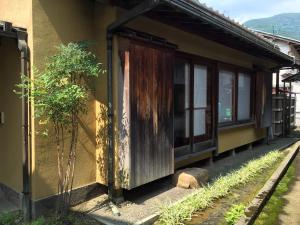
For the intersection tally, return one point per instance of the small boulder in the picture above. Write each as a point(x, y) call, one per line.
point(190, 178)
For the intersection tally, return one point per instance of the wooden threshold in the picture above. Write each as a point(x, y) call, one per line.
point(235, 126)
point(194, 157)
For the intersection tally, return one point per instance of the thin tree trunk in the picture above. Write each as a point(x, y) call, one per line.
point(73, 159)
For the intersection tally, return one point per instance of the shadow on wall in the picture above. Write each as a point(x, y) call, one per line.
point(51, 30)
point(102, 143)
point(121, 148)
point(11, 106)
point(76, 25)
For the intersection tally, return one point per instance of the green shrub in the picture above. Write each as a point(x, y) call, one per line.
point(234, 214)
point(9, 218)
point(39, 221)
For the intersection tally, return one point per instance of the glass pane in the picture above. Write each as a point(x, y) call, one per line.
point(226, 81)
point(181, 103)
point(200, 86)
point(199, 122)
point(244, 96)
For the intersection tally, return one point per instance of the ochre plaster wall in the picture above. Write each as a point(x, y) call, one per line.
point(233, 138)
point(19, 14)
point(53, 22)
point(103, 16)
point(56, 22)
point(82, 20)
point(10, 104)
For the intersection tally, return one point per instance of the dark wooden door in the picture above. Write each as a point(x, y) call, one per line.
point(263, 103)
point(151, 99)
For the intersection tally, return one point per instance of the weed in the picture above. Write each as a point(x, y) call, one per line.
point(221, 187)
point(234, 214)
point(9, 218)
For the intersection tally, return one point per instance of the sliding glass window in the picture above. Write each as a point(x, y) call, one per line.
point(226, 96)
point(244, 97)
point(234, 96)
point(182, 103)
point(192, 107)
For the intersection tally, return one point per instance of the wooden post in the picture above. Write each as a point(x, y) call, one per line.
point(277, 83)
point(284, 110)
point(290, 106)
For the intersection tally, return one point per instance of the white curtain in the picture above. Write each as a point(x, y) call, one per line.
point(244, 96)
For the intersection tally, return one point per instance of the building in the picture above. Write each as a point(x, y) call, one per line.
point(290, 47)
point(183, 83)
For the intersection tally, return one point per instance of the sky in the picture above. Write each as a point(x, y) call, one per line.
point(243, 10)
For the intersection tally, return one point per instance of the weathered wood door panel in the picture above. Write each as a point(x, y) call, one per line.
point(263, 97)
point(151, 121)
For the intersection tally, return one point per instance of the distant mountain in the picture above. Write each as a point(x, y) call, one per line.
point(286, 24)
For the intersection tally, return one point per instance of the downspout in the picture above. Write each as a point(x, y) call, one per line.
point(26, 151)
point(138, 10)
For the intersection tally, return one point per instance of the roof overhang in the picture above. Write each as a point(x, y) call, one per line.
point(292, 78)
point(198, 19)
point(290, 41)
point(7, 30)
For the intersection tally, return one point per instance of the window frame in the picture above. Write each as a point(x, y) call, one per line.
point(236, 70)
point(193, 60)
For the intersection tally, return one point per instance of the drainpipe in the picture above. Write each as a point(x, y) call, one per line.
point(138, 10)
point(26, 201)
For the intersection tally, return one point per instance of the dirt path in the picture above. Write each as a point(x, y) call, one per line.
point(290, 214)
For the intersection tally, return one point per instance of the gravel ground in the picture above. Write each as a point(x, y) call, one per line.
point(148, 199)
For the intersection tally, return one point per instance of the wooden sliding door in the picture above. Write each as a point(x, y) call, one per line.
point(151, 112)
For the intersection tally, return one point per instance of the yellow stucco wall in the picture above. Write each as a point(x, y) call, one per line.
point(82, 20)
point(50, 23)
point(56, 22)
point(10, 104)
point(19, 14)
point(235, 137)
point(103, 16)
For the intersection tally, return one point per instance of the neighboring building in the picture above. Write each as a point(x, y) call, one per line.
point(290, 47)
point(186, 82)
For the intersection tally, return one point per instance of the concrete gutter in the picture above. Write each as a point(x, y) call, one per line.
point(257, 204)
point(274, 180)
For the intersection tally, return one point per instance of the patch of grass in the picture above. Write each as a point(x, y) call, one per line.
point(234, 214)
point(70, 219)
point(10, 218)
point(271, 211)
point(182, 211)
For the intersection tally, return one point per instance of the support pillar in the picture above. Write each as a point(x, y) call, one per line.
point(284, 111)
point(290, 107)
point(277, 83)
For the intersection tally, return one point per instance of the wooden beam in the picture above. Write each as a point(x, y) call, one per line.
point(277, 82)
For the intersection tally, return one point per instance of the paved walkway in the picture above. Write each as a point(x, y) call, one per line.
point(291, 211)
point(5, 205)
point(143, 202)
